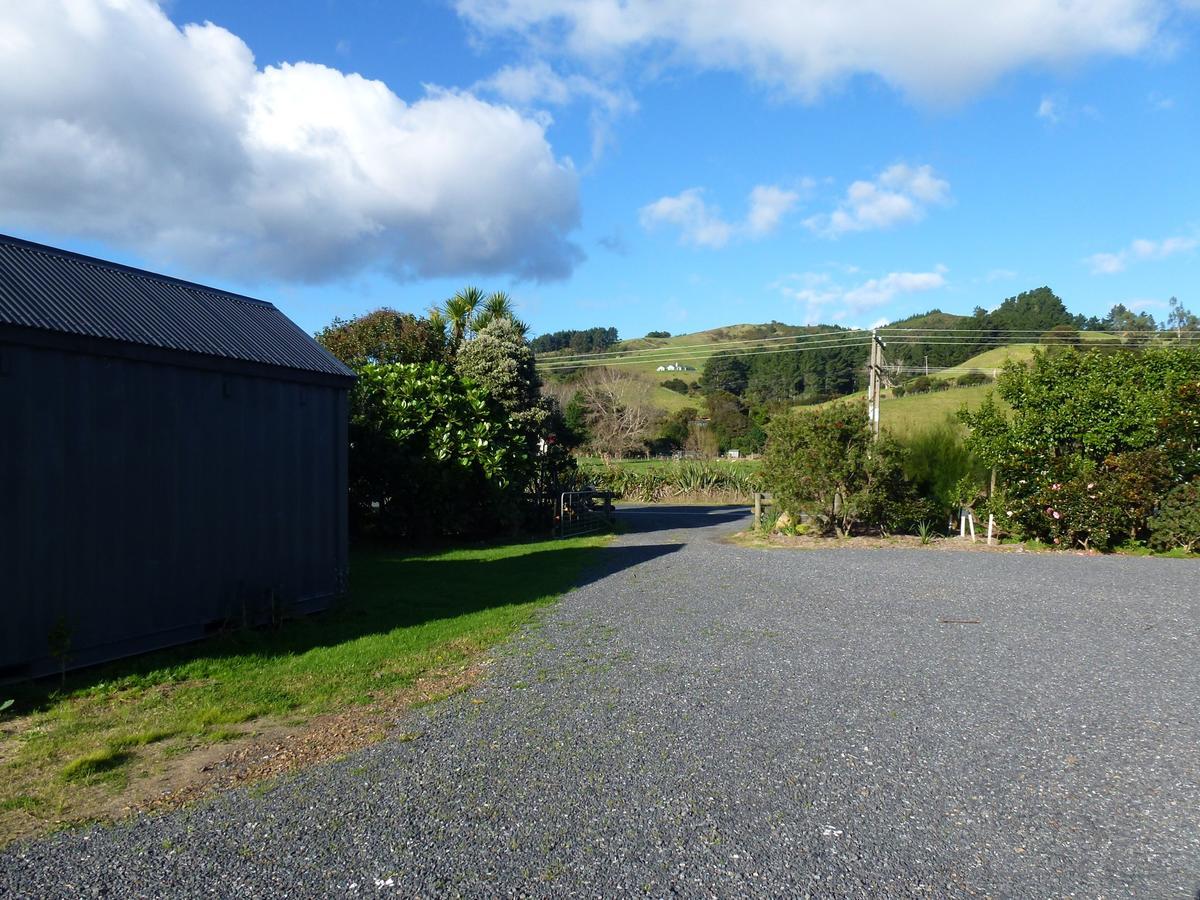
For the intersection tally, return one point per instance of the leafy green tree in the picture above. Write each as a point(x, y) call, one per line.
point(825, 463)
point(1037, 310)
point(500, 360)
point(725, 372)
point(726, 418)
point(1127, 323)
point(432, 454)
point(675, 427)
point(1183, 322)
point(383, 336)
point(575, 416)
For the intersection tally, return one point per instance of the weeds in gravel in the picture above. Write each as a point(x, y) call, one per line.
point(81, 750)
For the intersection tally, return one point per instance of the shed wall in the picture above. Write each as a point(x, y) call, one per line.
point(146, 504)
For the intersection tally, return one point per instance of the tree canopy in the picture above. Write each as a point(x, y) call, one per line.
point(383, 336)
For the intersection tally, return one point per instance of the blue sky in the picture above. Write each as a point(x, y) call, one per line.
point(678, 165)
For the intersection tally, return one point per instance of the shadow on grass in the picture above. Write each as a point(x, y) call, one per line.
point(388, 590)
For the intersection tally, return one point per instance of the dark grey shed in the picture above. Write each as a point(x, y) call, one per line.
point(172, 461)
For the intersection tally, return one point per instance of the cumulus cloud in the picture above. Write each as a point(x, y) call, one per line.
point(1140, 250)
point(701, 224)
point(538, 84)
point(822, 298)
point(899, 195)
point(1048, 110)
point(179, 147)
point(697, 221)
point(932, 50)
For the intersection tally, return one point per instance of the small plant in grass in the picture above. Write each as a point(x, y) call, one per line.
point(925, 532)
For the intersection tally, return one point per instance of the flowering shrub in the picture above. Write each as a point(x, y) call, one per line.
point(1177, 523)
point(1105, 505)
point(1090, 443)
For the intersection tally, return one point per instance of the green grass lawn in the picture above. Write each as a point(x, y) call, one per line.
point(68, 751)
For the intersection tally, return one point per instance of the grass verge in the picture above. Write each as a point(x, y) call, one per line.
point(413, 629)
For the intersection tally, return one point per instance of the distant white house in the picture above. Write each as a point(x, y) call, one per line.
point(675, 367)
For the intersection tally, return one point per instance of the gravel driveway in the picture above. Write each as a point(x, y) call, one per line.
point(709, 720)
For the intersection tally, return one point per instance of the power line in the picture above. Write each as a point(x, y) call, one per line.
point(832, 344)
point(833, 340)
point(1039, 332)
point(714, 345)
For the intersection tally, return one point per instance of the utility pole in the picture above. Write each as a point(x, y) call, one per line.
point(875, 382)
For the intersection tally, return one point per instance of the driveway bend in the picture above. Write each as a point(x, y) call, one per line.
point(703, 719)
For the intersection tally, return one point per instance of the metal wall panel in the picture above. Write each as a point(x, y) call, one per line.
point(145, 504)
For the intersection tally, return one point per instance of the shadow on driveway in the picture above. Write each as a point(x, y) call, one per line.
point(661, 517)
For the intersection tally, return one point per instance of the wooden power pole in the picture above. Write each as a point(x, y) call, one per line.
point(875, 382)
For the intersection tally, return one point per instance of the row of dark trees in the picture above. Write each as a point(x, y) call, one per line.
point(590, 340)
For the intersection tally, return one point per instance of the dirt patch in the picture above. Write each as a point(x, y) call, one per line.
point(168, 776)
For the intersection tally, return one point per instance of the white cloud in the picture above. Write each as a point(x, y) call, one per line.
point(823, 299)
point(698, 223)
point(1048, 110)
point(1140, 250)
point(539, 85)
point(899, 195)
point(933, 50)
point(180, 148)
point(701, 224)
point(768, 205)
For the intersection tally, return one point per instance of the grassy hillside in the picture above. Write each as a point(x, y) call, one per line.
point(912, 413)
point(647, 354)
point(993, 359)
point(903, 414)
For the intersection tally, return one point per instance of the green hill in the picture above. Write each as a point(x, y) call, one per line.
point(645, 355)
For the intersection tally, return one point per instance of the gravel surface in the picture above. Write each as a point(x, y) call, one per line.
point(704, 719)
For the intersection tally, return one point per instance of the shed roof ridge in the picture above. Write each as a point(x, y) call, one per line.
point(52, 289)
point(124, 269)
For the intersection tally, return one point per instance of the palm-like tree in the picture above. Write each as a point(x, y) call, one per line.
point(498, 305)
point(459, 312)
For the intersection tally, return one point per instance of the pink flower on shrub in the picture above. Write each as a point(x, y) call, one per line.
point(1055, 487)
point(1091, 484)
point(1057, 514)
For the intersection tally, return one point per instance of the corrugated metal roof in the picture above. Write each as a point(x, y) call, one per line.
point(55, 290)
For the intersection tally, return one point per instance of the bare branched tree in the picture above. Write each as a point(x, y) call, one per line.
point(620, 414)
